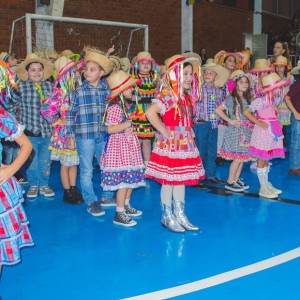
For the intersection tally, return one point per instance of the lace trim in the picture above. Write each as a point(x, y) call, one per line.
point(16, 135)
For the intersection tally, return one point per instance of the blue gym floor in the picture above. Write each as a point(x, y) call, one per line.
point(248, 247)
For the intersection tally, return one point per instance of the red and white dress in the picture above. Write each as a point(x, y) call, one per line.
point(176, 160)
point(121, 161)
point(14, 233)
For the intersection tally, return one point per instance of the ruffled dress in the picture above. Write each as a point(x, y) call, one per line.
point(14, 232)
point(237, 138)
point(266, 144)
point(175, 160)
point(121, 161)
point(146, 89)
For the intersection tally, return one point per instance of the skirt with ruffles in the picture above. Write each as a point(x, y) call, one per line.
point(176, 160)
point(14, 232)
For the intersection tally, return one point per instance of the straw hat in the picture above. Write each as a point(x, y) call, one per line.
point(280, 61)
point(239, 58)
point(99, 59)
point(237, 74)
point(4, 56)
point(162, 70)
point(177, 60)
point(209, 60)
point(116, 61)
point(63, 64)
point(271, 82)
point(221, 72)
point(67, 52)
point(33, 58)
point(192, 54)
point(261, 65)
point(125, 63)
point(144, 55)
point(118, 82)
point(52, 55)
point(295, 71)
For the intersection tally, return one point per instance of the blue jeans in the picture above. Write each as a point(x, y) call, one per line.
point(38, 171)
point(206, 139)
point(295, 144)
point(87, 148)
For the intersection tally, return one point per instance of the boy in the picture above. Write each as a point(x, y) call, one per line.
point(84, 124)
point(206, 120)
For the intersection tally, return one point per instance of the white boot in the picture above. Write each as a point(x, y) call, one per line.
point(168, 219)
point(265, 192)
point(273, 189)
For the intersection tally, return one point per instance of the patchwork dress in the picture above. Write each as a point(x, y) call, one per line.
point(121, 161)
point(14, 232)
point(266, 144)
point(175, 160)
point(237, 138)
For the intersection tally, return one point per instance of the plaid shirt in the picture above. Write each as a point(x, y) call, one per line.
point(86, 110)
point(29, 101)
point(204, 106)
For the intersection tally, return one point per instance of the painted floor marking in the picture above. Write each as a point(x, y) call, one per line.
point(220, 278)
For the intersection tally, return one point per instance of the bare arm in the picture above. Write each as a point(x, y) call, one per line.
point(247, 113)
point(118, 127)
point(25, 150)
point(291, 107)
point(220, 112)
point(152, 115)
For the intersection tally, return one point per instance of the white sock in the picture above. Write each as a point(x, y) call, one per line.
point(120, 209)
point(267, 170)
point(127, 201)
point(261, 176)
point(166, 194)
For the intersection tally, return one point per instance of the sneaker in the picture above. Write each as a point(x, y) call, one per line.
point(273, 189)
point(265, 192)
point(23, 180)
point(108, 202)
point(95, 209)
point(76, 194)
point(235, 187)
point(46, 191)
point(132, 212)
point(69, 197)
point(33, 192)
point(242, 184)
point(122, 219)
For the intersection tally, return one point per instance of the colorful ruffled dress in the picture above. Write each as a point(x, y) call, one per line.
point(237, 138)
point(121, 161)
point(54, 111)
point(14, 232)
point(146, 89)
point(266, 144)
point(175, 160)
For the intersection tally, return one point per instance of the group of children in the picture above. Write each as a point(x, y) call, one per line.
point(101, 106)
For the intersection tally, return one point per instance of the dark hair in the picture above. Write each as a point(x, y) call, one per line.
point(230, 56)
point(34, 62)
point(246, 95)
point(285, 46)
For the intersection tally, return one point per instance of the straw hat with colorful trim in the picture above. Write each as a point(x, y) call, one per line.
point(178, 59)
point(237, 74)
point(99, 59)
point(67, 52)
point(221, 72)
point(63, 64)
point(281, 61)
point(295, 71)
point(118, 82)
point(4, 56)
point(33, 58)
point(261, 65)
point(272, 81)
point(144, 55)
point(192, 54)
point(239, 58)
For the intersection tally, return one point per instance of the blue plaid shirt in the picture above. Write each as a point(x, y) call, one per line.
point(86, 110)
point(28, 99)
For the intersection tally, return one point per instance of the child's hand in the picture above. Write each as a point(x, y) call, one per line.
point(110, 50)
point(235, 122)
point(297, 116)
point(262, 124)
point(166, 133)
point(5, 173)
point(71, 143)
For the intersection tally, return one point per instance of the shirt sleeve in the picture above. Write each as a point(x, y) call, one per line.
point(8, 125)
point(256, 105)
point(114, 116)
point(71, 114)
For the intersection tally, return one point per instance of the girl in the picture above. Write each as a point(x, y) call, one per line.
point(146, 70)
point(54, 111)
point(238, 133)
point(267, 139)
point(121, 161)
point(14, 233)
point(281, 48)
point(175, 160)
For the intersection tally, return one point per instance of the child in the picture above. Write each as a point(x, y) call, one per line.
point(267, 139)
point(83, 124)
point(145, 69)
point(121, 162)
point(54, 111)
point(14, 233)
point(32, 92)
point(238, 133)
point(175, 160)
point(206, 121)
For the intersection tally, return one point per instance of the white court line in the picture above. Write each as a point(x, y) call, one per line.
point(220, 278)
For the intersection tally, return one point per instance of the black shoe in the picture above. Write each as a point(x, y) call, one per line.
point(201, 186)
point(220, 161)
point(76, 193)
point(69, 197)
point(215, 181)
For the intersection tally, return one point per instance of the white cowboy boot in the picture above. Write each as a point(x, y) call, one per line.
point(168, 219)
point(182, 218)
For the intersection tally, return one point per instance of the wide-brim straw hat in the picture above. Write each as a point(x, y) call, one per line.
point(67, 52)
point(192, 54)
point(5, 55)
point(271, 82)
point(62, 65)
point(221, 72)
point(116, 61)
point(237, 74)
point(144, 55)
point(125, 63)
point(33, 58)
point(280, 61)
point(178, 59)
point(118, 82)
point(99, 59)
point(261, 65)
point(239, 58)
point(295, 70)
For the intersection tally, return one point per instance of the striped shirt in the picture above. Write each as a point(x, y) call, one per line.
point(86, 110)
point(28, 99)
